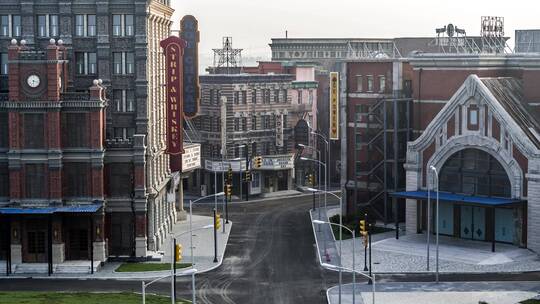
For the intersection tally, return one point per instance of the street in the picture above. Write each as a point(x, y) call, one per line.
point(270, 258)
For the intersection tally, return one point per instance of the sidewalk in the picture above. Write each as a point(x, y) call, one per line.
point(442, 293)
point(408, 254)
point(203, 252)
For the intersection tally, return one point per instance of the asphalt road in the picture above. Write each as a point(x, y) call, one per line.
point(270, 258)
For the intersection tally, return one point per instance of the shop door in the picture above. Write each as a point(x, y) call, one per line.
point(504, 225)
point(473, 223)
point(78, 240)
point(446, 218)
point(35, 242)
point(4, 236)
point(282, 179)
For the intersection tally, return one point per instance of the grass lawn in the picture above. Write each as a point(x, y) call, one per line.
point(531, 301)
point(141, 267)
point(30, 297)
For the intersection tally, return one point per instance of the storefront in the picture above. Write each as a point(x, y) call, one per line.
point(276, 173)
point(52, 235)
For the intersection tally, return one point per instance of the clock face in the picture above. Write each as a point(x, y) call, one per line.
point(33, 81)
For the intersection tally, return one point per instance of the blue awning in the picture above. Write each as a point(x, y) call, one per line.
point(90, 208)
point(457, 198)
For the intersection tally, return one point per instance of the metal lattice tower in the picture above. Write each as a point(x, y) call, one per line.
point(227, 56)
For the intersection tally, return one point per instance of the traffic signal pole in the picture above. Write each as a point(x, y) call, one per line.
point(247, 169)
point(215, 237)
point(174, 269)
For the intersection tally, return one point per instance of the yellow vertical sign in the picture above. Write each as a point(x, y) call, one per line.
point(334, 105)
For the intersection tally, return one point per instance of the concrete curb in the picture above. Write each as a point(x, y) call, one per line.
point(147, 275)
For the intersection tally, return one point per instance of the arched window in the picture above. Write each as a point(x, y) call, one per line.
point(474, 172)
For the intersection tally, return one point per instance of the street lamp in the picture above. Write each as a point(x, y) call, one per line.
point(436, 226)
point(191, 272)
point(372, 277)
point(327, 162)
point(319, 175)
point(319, 222)
point(191, 217)
point(340, 234)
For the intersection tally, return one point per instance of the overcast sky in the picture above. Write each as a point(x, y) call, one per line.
point(252, 23)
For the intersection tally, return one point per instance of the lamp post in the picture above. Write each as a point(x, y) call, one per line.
point(372, 277)
point(319, 174)
point(191, 217)
point(340, 235)
point(353, 252)
point(436, 226)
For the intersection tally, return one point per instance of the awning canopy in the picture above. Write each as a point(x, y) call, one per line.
point(90, 208)
point(457, 198)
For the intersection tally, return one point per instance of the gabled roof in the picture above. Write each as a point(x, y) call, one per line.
point(509, 93)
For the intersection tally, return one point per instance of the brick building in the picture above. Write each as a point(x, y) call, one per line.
point(95, 158)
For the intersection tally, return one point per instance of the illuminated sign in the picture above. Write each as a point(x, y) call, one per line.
point(334, 105)
point(173, 48)
point(191, 159)
point(189, 31)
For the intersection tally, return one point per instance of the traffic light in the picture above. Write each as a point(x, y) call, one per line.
point(248, 176)
point(364, 232)
point(218, 221)
point(311, 179)
point(177, 253)
point(229, 174)
point(228, 190)
point(258, 162)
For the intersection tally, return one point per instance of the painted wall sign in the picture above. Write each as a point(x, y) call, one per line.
point(189, 31)
point(173, 48)
point(334, 105)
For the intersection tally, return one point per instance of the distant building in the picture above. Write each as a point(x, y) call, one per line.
point(263, 105)
point(527, 41)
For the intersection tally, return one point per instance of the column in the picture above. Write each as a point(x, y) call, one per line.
point(533, 211)
point(99, 247)
point(413, 176)
point(58, 246)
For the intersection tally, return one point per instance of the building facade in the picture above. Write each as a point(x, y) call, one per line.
point(262, 106)
point(62, 55)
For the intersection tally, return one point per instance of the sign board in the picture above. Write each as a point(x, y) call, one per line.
point(189, 31)
point(223, 166)
point(334, 106)
point(191, 159)
point(277, 162)
point(279, 130)
point(223, 125)
point(173, 48)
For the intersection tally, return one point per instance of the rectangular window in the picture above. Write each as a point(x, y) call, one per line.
point(473, 116)
point(310, 97)
point(254, 123)
point(244, 123)
point(79, 63)
point(370, 83)
point(92, 63)
point(79, 25)
point(34, 131)
point(244, 97)
point(267, 96)
point(16, 26)
point(123, 25)
point(129, 25)
point(130, 63)
point(35, 181)
point(77, 124)
point(86, 63)
point(382, 84)
point(124, 100)
point(42, 25)
point(254, 96)
point(299, 96)
point(75, 179)
point(4, 135)
point(285, 96)
point(236, 124)
point(359, 83)
point(4, 66)
point(4, 180)
point(121, 180)
point(91, 27)
point(236, 97)
point(53, 25)
point(4, 25)
point(276, 96)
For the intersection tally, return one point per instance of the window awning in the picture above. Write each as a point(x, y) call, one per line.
point(458, 198)
point(90, 208)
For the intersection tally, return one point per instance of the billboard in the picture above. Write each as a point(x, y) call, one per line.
point(279, 130)
point(334, 106)
point(189, 31)
point(173, 49)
